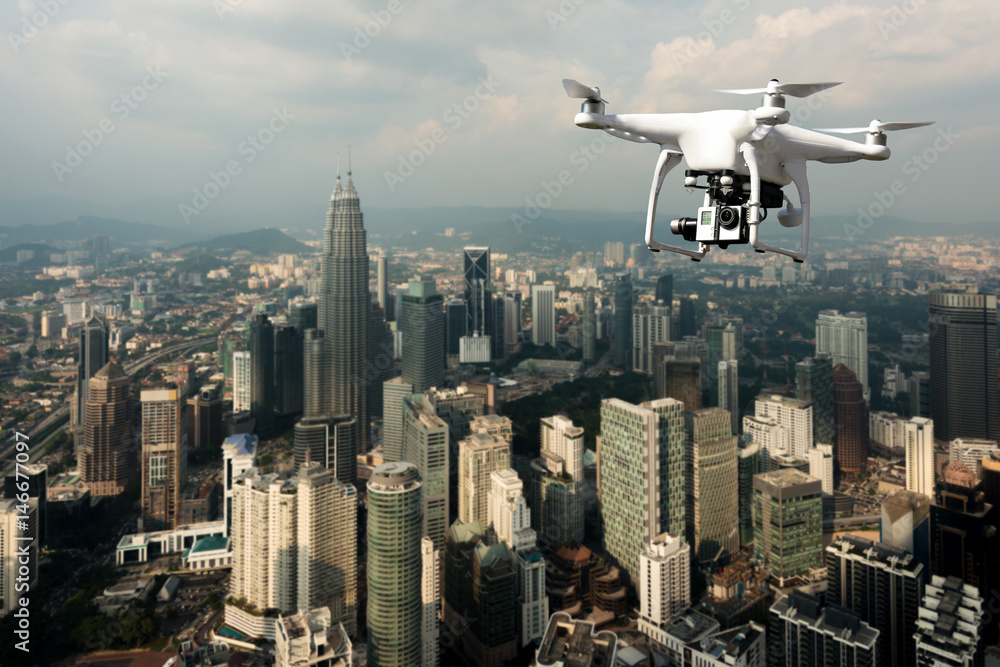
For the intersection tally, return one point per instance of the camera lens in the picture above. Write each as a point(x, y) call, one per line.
point(728, 217)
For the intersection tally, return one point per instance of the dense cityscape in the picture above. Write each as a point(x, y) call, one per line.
point(254, 450)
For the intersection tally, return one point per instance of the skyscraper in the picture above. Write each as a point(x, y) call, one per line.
point(304, 315)
point(919, 444)
point(804, 632)
point(680, 379)
point(688, 324)
point(665, 289)
point(543, 314)
point(498, 338)
point(430, 588)
point(749, 465)
point(850, 446)
point(242, 375)
point(478, 304)
point(313, 374)
point(623, 320)
point(288, 371)
point(344, 307)
point(479, 455)
point(204, 420)
point(919, 385)
point(729, 391)
point(16, 523)
point(884, 585)
point(845, 339)
point(164, 456)
point(963, 379)
point(712, 484)
point(262, 375)
point(423, 327)
point(380, 364)
point(455, 323)
point(795, 415)
point(108, 457)
point(650, 325)
point(425, 445)
point(394, 392)
point(395, 567)
point(788, 523)
point(92, 355)
point(511, 321)
point(589, 328)
point(329, 441)
point(382, 280)
point(665, 591)
point(950, 626)
point(557, 482)
point(814, 384)
point(640, 476)
point(239, 454)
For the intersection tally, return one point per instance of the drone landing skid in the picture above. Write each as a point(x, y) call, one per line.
point(667, 160)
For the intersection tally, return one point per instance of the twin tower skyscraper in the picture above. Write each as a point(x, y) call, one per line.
point(336, 356)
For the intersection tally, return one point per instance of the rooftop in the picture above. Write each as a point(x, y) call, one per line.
point(574, 643)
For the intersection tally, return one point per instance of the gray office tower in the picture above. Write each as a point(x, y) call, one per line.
point(688, 325)
point(287, 369)
point(381, 364)
point(262, 375)
point(455, 319)
point(919, 385)
point(304, 315)
point(313, 369)
point(511, 321)
point(665, 289)
point(814, 384)
point(963, 341)
point(382, 281)
point(423, 330)
point(589, 327)
point(329, 441)
point(623, 320)
point(498, 342)
point(93, 355)
point(478, 303)
point(344, 306)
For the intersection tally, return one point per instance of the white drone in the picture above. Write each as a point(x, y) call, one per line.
point(746, 157)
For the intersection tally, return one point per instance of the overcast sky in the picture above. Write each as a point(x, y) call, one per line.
point(200, 77)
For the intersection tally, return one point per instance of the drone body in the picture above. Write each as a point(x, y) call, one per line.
point(746, 157)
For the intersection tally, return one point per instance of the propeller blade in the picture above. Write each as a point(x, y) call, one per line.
point(875, 127)
point(741, 91)
point(804, 89)
point(578, 90)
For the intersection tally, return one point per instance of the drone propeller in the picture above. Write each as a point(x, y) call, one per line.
point(578, 90)
point(776, 88)
point(876, 127)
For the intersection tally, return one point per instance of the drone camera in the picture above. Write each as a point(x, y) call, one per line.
point(715, 225)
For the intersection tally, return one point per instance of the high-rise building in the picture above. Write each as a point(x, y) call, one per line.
point(164, 456)
point(712, 484)
point(310, 638)
point(821, 466)
point(650, 325)
point(919, 444)
point(688, 324)
point(479, 455)
point(455, 323)
point(477, 295)
point(329, 441)
point(18, 535)
point(919, 386)
point(884, 586)
point(589, 327)
point(640, 476)
point(498, 338)
point(665, 289)
point(481, 583)
point(614, 253)
point(665, 593)
point(804, 632)
point(562, 439)
point(204, 415)
point(344, 306)
point(108, 457)
point(425, 445)
point(964, 540)
point(680, 379)
point(92, 355)
point(963, 378)
point(394, 392)
point(380, 364)
point(543, 314)
point(395, 567)
point(623, 320)
point(382, 280)
point(242, 374)
point(304, 315)
point(814, 384)
point(795, 415)
point(326, 544)
point(313, 373)
point(511, 321)
point(845, 339)
point(950, 625)
point(430, 599)
point(723, 338)
point(850, 445)
point(262, 375)
point(239, 454)
point(749, 466)
point(288, 369)
point(36, 477)
point(423, 328)
point(972, 452)
point(594, 648)
point(729, 392)
point(788, 523)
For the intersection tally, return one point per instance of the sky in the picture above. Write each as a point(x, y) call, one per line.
point(225, 106)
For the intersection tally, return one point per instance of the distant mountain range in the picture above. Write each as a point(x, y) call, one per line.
point(258, 241)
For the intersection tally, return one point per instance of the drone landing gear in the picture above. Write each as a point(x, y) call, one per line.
point(667, 160)
point(797, 172)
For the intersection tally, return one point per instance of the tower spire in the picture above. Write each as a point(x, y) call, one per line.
point(350, 183)
point(337, 189)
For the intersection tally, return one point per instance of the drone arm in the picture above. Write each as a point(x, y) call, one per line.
point(750, 155)
point(667, 160)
